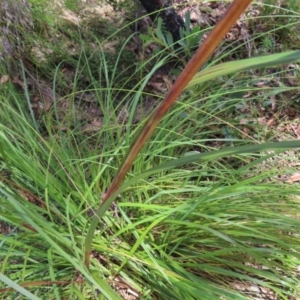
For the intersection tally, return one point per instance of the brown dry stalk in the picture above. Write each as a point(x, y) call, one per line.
point(197, 61)
point(42, 283)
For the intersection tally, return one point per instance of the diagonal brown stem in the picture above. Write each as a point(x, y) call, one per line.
point(197, 61)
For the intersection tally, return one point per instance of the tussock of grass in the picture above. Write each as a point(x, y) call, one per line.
point(185, 228)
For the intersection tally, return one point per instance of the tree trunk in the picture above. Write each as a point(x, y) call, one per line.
point(163, 9)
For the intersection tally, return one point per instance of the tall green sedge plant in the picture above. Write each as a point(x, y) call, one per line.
point(171, 241)
point(200, 57)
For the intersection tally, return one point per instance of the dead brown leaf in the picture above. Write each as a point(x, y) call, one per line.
point(4, 79)
point(293, 178)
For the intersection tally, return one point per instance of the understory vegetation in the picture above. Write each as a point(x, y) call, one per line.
point(210, 207)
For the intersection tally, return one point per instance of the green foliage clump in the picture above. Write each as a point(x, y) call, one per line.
point(202, 208)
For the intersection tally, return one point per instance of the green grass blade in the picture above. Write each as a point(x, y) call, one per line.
point(234, 67)
point(213, 155)
point(17, 287)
